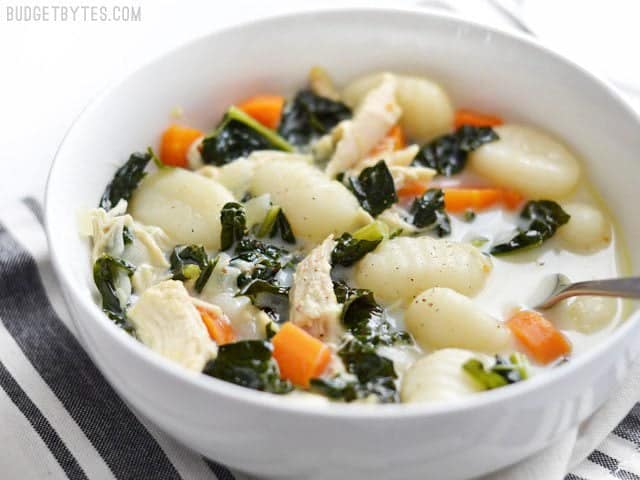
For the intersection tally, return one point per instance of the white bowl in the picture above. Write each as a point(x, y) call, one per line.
point(273, 436)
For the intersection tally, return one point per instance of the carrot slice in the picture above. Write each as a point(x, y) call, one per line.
point(469, 117)
point(458, 200)
point(543, 341)
point(300, 356)
point(393, 140)
point(218, 326)
point(412, 189)
point(267, 109)
point(175, 144)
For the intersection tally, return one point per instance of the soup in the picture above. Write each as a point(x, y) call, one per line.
point(365, 244)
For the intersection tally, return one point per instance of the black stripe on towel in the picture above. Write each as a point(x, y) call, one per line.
point(573, 476)
point(124, 443)
point(41, 425)
point(629, 427)
point(611, 464)
point(220, 471)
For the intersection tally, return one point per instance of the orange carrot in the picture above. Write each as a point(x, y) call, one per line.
point(218, 326)
point(393, 140)
point(458, 200)
point(469, 117)
point(300, 356)
point(266, 109)
point(412, 189)
point(175, 144)
point(543, 341)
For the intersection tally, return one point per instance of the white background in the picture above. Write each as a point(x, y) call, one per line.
point(50, 70)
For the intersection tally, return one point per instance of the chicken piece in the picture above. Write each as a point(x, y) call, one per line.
point(314, 306)
point(166, 320)
point(378, 112)
point(403, 176)
point(107, 228)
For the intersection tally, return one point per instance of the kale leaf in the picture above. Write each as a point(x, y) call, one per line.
point(125, 180)
point(248, 363)
point(374, 188)
point(233, 219)
point(309, 116)
point(366, 320)
point(237, 136)
point(504, 372)
point(127, 236)
point(351, 248)
point(276, 223)
point(542, 218)
point(266, 295)
point(191, 261)
point(448, 153)
point(267, 260)
point(107, 273)
point(372, 374)
point(429, 213)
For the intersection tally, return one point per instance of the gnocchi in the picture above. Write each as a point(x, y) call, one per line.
point(443, 318)
point(587, 229)
point(183, 204)
point(528, 161)
point(439, 377)
point(405, 266)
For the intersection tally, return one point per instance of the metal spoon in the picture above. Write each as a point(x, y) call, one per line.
point(558, 287)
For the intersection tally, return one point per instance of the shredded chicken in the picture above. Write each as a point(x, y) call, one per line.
point(107, 229)
point(166, 320)
point(314, 306)
point(378, 112)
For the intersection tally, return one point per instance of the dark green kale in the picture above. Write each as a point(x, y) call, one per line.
point(127, 236)
point(233, 219)
point(428, 212)
point(189, 262)
point(125, 180)
point(541, 219)
point(107, 275)
point(276, 223)
point(266, 295)
point(309, 116)
point(448, 153)
point(504, 372)
point(237, 136)
point(267, 260)
point(248, 363)
point(366, 320)
point(372, 374)
point(374, 188)
point(351, 248)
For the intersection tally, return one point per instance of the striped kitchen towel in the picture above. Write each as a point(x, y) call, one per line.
point(59, 418)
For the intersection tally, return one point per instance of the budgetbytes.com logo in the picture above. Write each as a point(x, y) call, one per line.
point(43, 13)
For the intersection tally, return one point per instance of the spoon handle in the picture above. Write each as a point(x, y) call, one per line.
point(615, 287)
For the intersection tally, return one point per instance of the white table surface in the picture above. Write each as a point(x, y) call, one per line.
point(51, 70)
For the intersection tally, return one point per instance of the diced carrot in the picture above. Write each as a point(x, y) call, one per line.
point(175, 144)
point(543, 341)
point(458, 200)
point(300, 356)
point(218, 326)
point(512, 199)
point(393, 140)
point(469, 117)
point(412, 189)
point(267, 109)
